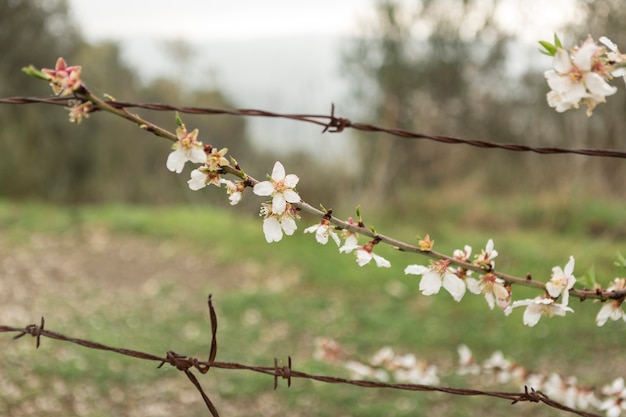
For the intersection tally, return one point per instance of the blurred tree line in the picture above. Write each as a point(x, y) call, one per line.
point(446, 67)
point(104, 158)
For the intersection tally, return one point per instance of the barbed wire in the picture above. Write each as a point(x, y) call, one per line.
point(332, 124)
point(186, 364)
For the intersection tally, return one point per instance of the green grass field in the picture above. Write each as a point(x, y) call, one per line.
point(139, 278)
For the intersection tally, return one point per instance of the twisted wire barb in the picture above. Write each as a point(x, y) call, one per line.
point(186, 364)
point(332, 124)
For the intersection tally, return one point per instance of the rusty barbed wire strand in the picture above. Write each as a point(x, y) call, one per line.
point(333, 124)
point(185, 363)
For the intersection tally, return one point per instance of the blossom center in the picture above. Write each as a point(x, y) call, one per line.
point(441, 267)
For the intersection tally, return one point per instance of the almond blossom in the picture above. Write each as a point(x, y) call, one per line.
point(364, 253)
point(615, 57)
point(186, 148)
point(234, 190)
point(486, 257)
point(612, 309)
point(615, 401)
point(63, 79)
point(579, 78)
point(539, 306)
point(280, 187)
point(274, 224)
point(79, 110)
point(202, 177)
point(435, 276)
point(323, 230)
point(562, 281)
point(493, 288)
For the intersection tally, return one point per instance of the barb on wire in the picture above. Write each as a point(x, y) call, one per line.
point(186, 364)
point(333, 124)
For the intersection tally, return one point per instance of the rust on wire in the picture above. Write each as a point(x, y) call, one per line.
point(186, 364)
point(332, 124)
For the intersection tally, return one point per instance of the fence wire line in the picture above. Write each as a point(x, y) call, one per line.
point(331, 123)
point(186, 364)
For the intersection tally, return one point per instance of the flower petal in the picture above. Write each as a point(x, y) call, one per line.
point(278, 173)
point(430, 283)
point(272, 230)
point(381, 262)
point(176, 161)
point(291, 180)
point(291, 196)
point(263, 188)
point(416, 269)
point(289, 225)
point(279, 204)
point(198, 180)
point(561, 62)
point(532, 314)
point(363, 257)
point(454, 285)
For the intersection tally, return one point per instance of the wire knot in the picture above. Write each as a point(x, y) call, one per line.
point(336, 124)
point(33, 330)
point(180, 362)
point(284, 372)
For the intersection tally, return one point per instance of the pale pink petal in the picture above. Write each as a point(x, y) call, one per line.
point(363, 257)
point(279, 204)
point(176, 161)
point(598, 86)
point(263, 188)
point(291, 180)
point(278, 173)
point(415, 269)
point(569, 267)
point(348, 247)
point(321, 235)
point(430, 283)
point(289, 225)
point(532, 314)
point(291, 196)
point(472, 285)
point(561, 62)
point(603, 315)
point(454, 285)
point(312, 229)
point(272, 230)
point(198, 180)
point(196, 155)
point(583, 57)
point(491, 302)
point(381, 262)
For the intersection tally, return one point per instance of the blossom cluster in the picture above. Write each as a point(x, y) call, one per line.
point(385, 365)
point(581, 75)
point(610, 398)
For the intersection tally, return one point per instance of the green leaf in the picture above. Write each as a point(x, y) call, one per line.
point(589, 279)
point(550, 49)
point(621, 261)
point(34, 72)
point(557, 41)
point(179, 121)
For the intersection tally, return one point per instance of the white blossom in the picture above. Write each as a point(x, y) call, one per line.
point(280, 188)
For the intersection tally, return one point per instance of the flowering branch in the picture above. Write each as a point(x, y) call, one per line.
point(453, 273)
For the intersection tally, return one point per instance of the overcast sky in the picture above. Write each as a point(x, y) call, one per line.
point(216, 20)
point(195, 20)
